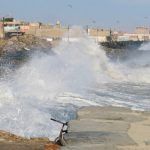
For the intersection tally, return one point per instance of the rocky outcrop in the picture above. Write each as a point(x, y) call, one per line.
point(25, 42)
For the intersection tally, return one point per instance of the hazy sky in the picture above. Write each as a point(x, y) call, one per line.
point(123, 14)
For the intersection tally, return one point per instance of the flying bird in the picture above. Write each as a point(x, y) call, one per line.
point(69, 5)
point(145, 17)
point(117, 21)
point(94, 21)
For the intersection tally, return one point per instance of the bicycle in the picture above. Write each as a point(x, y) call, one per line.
point(60, 139)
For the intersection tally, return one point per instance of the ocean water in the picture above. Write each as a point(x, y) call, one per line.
point(74, 74)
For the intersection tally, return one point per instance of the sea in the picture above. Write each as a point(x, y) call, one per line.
point(39, 84)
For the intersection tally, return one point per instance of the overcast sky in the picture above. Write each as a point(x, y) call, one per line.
point(123, 14)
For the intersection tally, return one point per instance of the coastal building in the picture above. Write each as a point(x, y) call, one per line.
point(143, 33)
point(100, 35)
point(33, 27)
point(139, 35)
point(142, 30)
point(47, 31)
point(57, 32)
point(12, 27)
point(123, 38)
point(144, 37)
point(134, 37)
point(24, 28)
point(10, 24)
point(131, 36)
point(58, 24)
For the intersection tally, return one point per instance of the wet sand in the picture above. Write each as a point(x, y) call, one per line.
point(109, 128)
point(140, 133)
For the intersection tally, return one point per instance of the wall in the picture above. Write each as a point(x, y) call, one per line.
point(142, 30)
point(47, 32)
point(98, 32)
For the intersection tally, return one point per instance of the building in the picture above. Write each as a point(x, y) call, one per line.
point(142, 30)
point(24, 28)
point(100, 35)
point(10, 24)
point(12, 27)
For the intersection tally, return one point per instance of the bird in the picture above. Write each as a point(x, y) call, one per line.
point(94, 21)
point(117, 21)
point(69, 5)
point(145, 17)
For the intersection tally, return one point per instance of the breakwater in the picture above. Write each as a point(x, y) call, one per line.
point(123, 44)
point(25, 42)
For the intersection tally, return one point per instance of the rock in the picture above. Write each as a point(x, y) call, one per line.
point(18, 43)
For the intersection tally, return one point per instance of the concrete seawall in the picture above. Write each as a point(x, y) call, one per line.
point(109, 128)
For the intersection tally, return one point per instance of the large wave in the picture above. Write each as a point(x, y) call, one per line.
point(55, 85)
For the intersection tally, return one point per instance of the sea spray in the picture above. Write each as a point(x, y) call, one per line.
point(145, 47)
point(35, 91)
point(77, 73)
point(136, 67)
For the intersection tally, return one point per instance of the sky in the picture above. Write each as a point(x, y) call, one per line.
point(116, 14)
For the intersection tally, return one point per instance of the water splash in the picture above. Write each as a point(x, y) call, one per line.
point(35, 91)
point(145, 47)
point(55, 85)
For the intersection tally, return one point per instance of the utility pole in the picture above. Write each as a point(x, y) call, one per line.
point(97, 34)
point(68, 32)
point(110, 36)
point(3, 33)
point(87, 30)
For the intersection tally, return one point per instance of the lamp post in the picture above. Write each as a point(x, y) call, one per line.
point(68, 32)
point(97, 34)
point(110, 39)
point(87, 28)
point(3, 27)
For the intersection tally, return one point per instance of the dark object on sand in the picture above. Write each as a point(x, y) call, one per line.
point(60, 139)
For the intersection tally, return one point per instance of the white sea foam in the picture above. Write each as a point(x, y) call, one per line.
point(145, 47)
